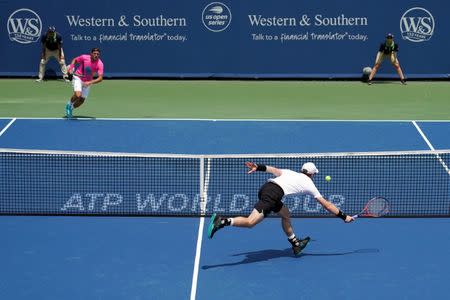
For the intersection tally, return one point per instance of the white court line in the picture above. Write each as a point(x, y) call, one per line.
point(197, 258)
point(232, 120)
point(423, 136)
point(7, 126)
point(204, 184)
point(431, 147)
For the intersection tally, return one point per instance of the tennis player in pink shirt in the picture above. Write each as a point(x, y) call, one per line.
point(84, 68)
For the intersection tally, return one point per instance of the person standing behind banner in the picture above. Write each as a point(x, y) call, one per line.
point(82, 70)
point(388, 49)
point(52, 47)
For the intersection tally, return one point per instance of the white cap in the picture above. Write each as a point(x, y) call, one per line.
point(309, 168)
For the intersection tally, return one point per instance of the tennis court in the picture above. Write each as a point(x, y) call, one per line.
point(106, 257)
point(113, 199)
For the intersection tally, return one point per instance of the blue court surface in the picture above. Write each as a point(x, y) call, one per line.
point(56, 257)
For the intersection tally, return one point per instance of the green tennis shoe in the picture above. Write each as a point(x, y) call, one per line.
point(215, 223)
point(299, 245)
point(68, 110)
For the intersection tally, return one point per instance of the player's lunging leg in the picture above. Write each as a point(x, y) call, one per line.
point(73, 102)
point(79, 101)
point(218, 222)
point(297, 245)
point(254, 218)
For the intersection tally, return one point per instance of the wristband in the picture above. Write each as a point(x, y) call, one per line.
point(341, 215)
point(261, 168)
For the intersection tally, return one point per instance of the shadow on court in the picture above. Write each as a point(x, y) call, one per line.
point(265, 255)
point(80, 118)
point(381, 81)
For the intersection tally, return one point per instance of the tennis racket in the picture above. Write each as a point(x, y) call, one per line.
point(376, 207)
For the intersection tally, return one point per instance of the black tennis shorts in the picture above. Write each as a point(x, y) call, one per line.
point(270, 195)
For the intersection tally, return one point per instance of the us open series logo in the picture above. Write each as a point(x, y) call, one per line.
point(24, 26)
point(216, 16)
point(417, 25)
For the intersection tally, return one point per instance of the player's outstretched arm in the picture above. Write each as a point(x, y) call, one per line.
point(97, 80)
point(334, 210)
point(263, 168)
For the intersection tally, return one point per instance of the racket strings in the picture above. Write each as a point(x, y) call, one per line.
point(377, 207)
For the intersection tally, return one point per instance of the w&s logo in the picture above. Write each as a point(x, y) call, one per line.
point(24, 26)
point(417, 25)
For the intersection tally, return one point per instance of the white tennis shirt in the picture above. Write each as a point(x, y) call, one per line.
point(296, 183)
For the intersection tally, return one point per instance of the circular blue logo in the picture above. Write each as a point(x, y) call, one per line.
point(24, 26)
point(216, 16)
point(417, 25)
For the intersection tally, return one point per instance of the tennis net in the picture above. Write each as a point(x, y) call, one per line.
point(34, 182)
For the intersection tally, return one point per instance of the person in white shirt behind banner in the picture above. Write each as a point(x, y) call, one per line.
point(285, 182)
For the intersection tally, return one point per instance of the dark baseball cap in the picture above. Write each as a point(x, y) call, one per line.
point(389, 36)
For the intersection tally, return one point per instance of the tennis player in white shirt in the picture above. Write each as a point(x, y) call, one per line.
point(285, 182)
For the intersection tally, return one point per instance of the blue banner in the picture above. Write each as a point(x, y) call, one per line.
point(236, 39)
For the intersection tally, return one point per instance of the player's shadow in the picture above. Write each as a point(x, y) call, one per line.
point(265, 255)
point(50, 74)
point(80, 118)
point(385, 81)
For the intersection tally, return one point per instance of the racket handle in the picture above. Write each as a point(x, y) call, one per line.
point(355, 216)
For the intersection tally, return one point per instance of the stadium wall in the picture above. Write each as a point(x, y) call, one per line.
point(230, 39)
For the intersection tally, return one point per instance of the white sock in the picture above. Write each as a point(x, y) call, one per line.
point(231, 221)
point(292, 236)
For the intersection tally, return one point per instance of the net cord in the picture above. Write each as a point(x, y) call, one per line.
point(209, 156)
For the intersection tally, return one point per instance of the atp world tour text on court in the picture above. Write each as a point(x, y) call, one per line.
point(181, 203)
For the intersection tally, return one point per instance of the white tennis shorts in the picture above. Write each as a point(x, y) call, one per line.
point(79, 87)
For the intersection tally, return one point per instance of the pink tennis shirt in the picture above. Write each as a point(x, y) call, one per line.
point(86, 69)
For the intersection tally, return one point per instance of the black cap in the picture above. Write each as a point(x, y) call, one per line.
point(51, 29)
point(389, 36)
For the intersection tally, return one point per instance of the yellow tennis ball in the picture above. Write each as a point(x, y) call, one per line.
point(328, 178)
